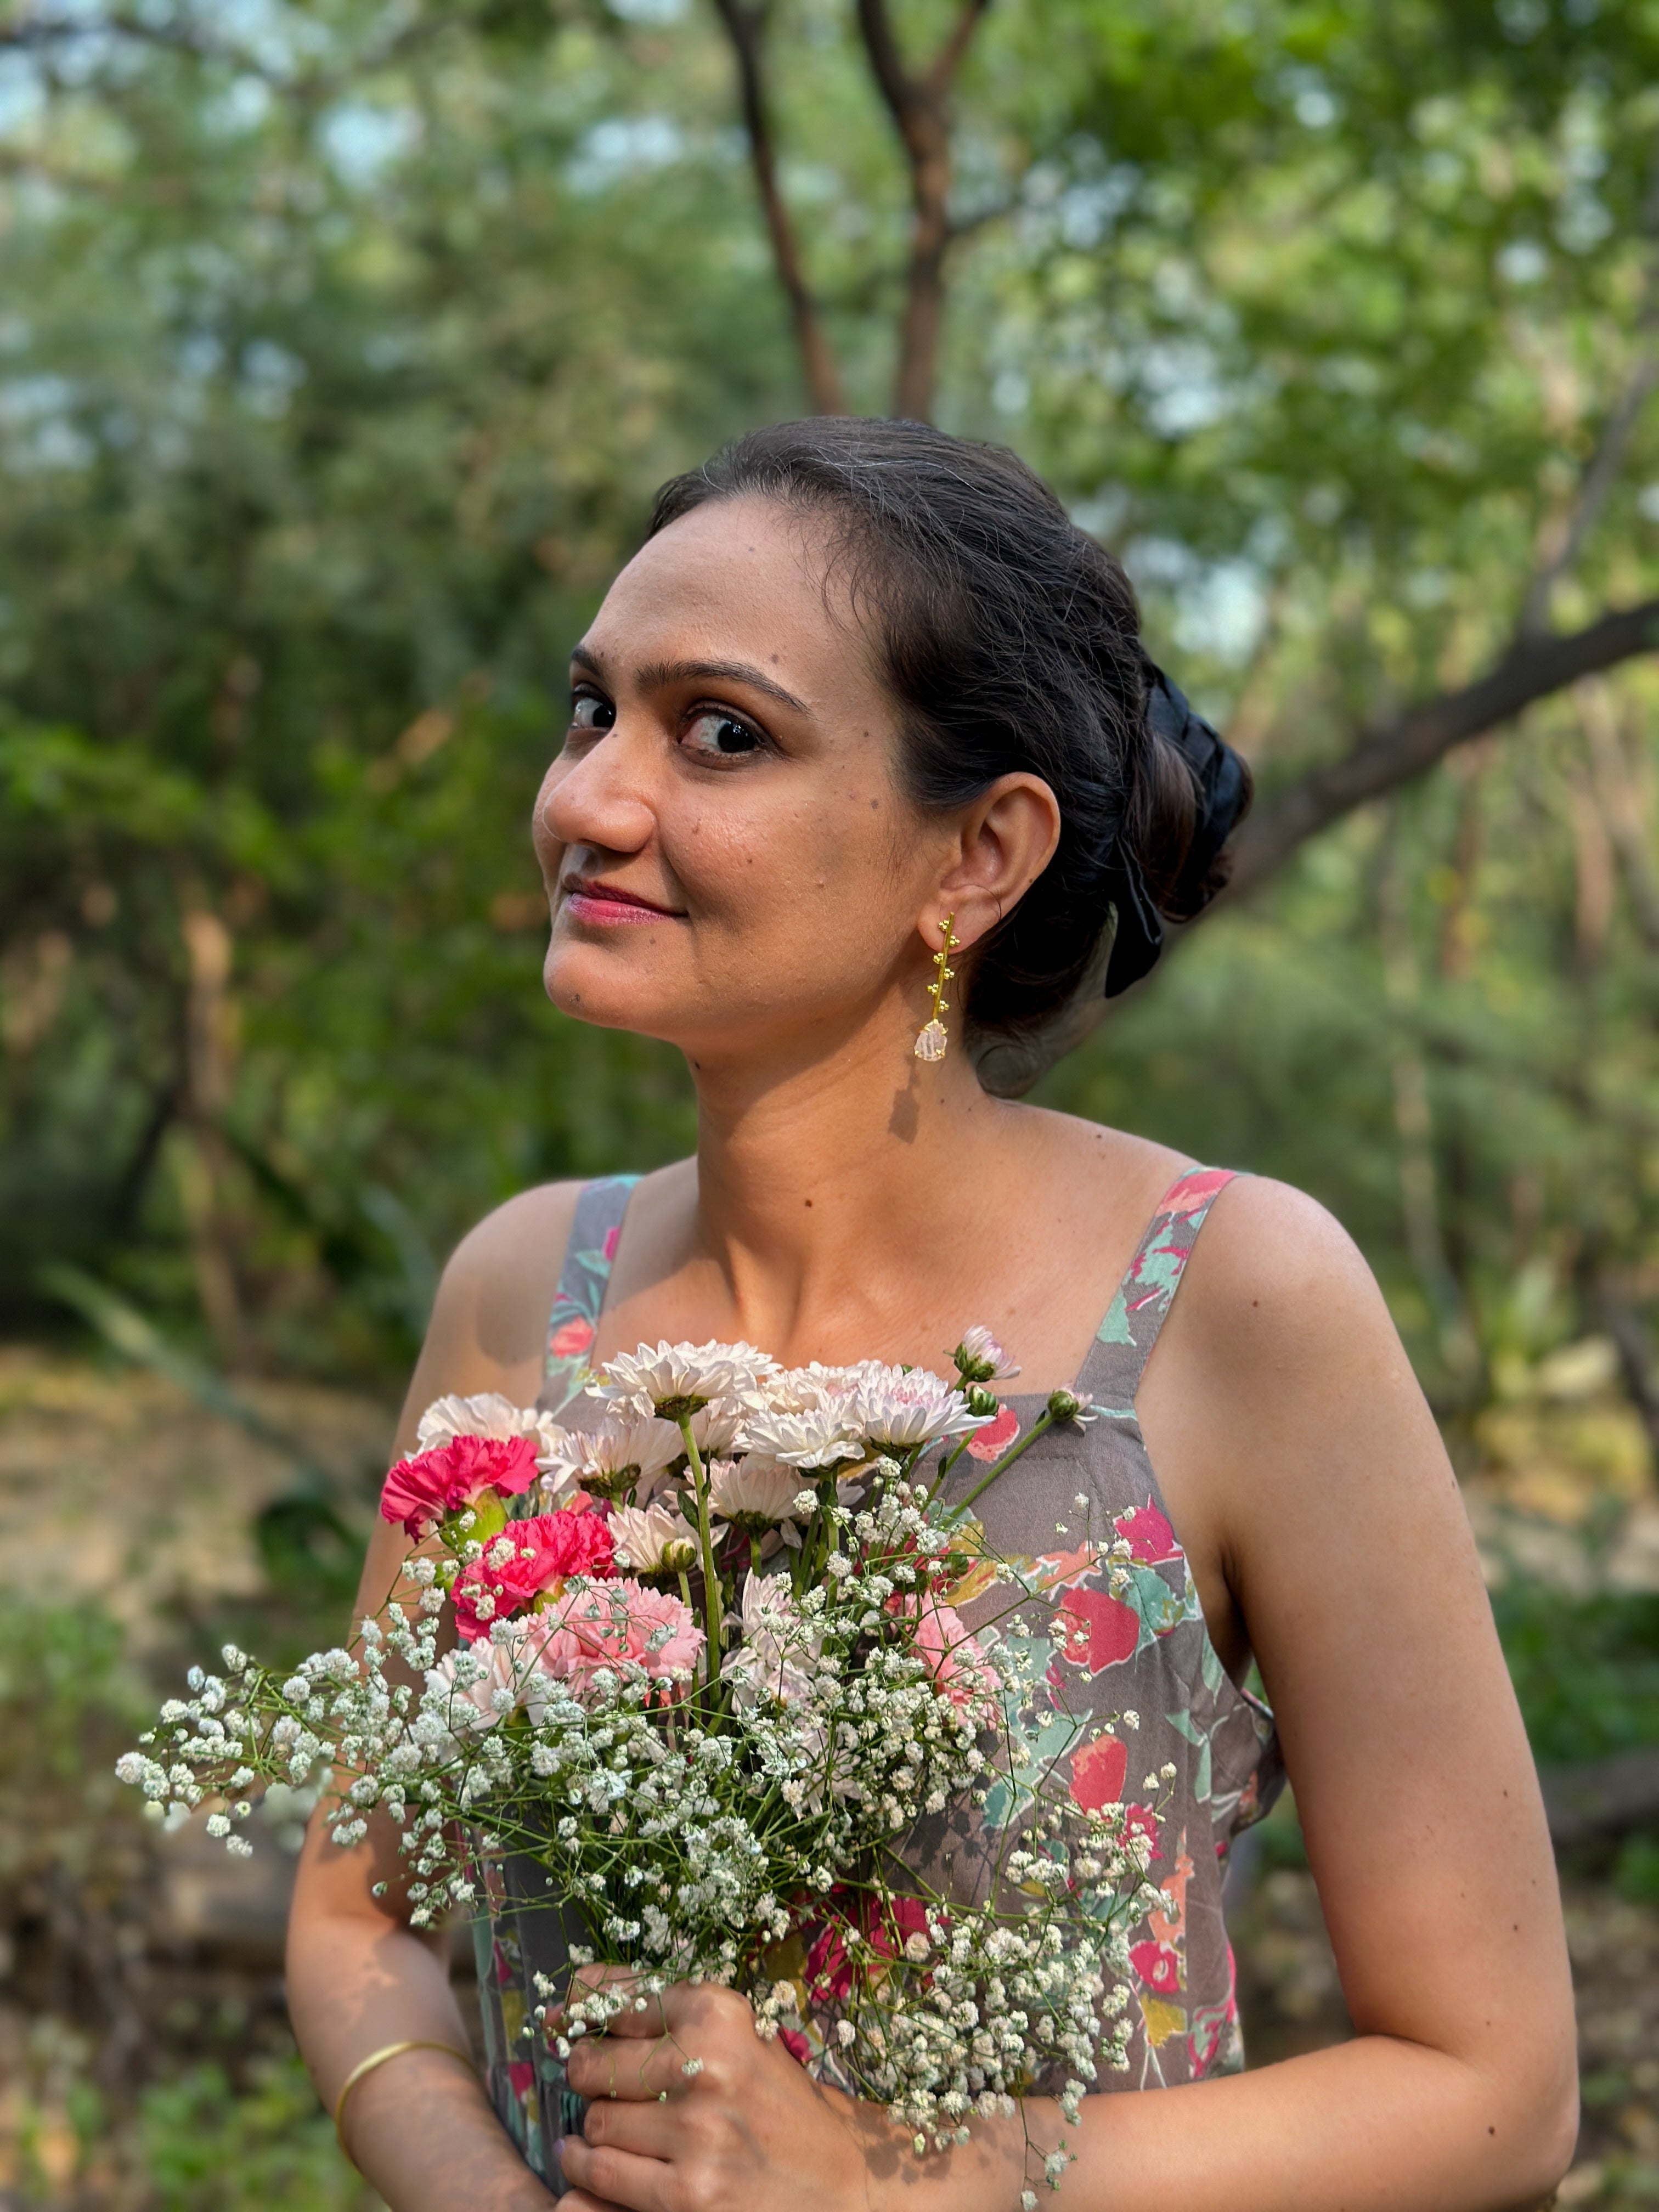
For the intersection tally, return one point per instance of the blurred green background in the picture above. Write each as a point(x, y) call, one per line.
point(341, 345)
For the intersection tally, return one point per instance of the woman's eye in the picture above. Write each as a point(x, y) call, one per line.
point(588, 712)
point(712, 734)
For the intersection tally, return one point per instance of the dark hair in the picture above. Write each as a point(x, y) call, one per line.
point(1012, 640)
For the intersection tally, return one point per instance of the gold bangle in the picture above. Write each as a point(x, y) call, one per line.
point(367, 2066)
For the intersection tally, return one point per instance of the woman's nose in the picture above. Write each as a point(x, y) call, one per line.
point(599, 798)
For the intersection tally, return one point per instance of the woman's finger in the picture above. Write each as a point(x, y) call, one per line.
point(648, 2130)
point(617, 2177)
point(607, 2066)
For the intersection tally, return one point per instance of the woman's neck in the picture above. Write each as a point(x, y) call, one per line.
point(816, 1174)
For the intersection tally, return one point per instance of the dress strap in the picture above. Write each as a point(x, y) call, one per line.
point(1123, 1343)
point(594, 1230)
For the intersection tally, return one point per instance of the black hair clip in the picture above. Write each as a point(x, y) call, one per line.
point(1138, 933)
point(1224, 793)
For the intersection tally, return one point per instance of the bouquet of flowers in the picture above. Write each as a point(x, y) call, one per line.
point(697, 1664)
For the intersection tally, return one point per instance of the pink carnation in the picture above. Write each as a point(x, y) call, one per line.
point(545, 1551)
point(622, 1624)
point(419, 1491)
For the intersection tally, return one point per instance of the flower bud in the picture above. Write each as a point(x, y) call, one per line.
point(1070, 1406)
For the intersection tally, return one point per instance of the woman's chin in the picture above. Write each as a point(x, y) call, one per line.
point(585, 984)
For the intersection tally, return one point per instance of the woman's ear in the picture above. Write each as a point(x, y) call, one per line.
point(1008, 837)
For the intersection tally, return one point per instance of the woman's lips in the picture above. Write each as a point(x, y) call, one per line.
point(605, 906)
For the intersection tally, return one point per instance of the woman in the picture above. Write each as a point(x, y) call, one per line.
point(862, 684)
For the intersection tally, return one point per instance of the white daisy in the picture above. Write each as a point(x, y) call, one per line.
point(817, 1436)
point(755, 1493)
point(624, 1452)
point(653, 1538)
point(777, 1658)
point(898, 1408)
point(489, 1415)
point(715, 1429)
point(676, 1379)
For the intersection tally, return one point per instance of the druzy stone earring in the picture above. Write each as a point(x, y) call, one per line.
point(933, 1037)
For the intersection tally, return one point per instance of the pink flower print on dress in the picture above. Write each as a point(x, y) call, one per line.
point(1095, 1630)
point(1097, 1773)
point(1171, 1928)
point(570, 1338)
point(1141, 1820)
point(1159, 1967)
point(1147, 1533)
point(991, 1443)
point(1196, 1189)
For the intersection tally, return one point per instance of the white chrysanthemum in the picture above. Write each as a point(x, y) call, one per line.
point(675, 1379)
point(755, 1493)
point(817, 1436)
point(489, 1415)
point(653, 1537)
point(980, 1358)
point(716, 1428)
point(778, 1656)
point(477, 1687)
point(796, 1389)
point(617, 1456)
point(898, 1408)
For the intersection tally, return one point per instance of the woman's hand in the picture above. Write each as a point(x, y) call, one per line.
point(690, 2111)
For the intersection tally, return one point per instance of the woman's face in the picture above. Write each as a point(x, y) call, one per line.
point(731, 862)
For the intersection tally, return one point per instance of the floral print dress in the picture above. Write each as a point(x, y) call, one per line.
point(1097, 1650)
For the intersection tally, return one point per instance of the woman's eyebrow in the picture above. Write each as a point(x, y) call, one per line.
point(657, 674)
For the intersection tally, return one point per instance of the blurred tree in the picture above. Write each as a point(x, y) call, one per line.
point(343, 344)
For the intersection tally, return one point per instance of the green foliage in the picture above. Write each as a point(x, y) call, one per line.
point(339, 360)
point(271, 2147)
point(1636, 1875)
point(1586, 1670)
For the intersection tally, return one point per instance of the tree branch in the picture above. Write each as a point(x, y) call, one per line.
point(920, 106)
point(1394, 752)
point(745, 21)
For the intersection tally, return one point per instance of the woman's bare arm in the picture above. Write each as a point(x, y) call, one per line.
point(358, 1977)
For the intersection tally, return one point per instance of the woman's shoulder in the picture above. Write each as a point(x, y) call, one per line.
point(522, 1238)
point(1281, 1322)
point(489, 1321)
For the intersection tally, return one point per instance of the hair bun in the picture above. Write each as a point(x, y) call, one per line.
point(1220, 798)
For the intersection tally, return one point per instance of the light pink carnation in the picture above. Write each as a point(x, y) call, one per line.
point(622, 1624)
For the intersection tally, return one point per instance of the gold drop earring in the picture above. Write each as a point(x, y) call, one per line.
point(934, 1038)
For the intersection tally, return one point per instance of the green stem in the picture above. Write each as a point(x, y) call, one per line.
point(947, 1461)
point(754, 1553)
point(1045, 1420)
point(711, 1588)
